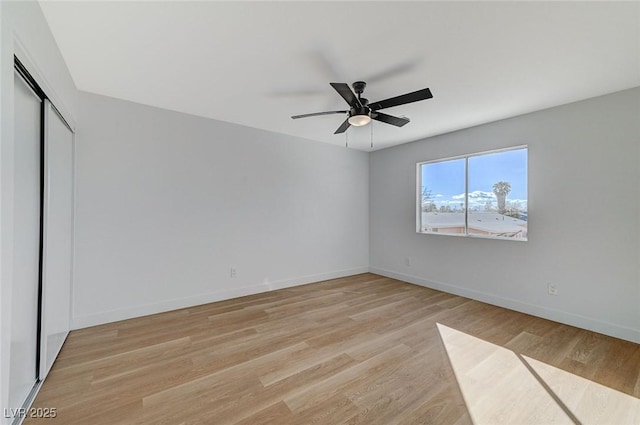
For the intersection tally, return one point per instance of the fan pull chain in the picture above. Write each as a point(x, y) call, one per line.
point(372, 135)
point(346, 139)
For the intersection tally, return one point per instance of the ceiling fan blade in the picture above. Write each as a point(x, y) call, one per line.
point(389, 119)
point(295, 117)
point(402, 99)
point(345, 91)
point(343, 127)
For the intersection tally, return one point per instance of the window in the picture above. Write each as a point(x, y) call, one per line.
point(479, 195)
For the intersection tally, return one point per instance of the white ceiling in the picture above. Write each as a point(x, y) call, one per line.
point(258, 63)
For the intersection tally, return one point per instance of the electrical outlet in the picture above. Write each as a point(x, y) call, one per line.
point(553, 289)
point(233, 272)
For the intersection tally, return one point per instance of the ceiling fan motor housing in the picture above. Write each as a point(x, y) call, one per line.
point(358, 88)
point(359, 111)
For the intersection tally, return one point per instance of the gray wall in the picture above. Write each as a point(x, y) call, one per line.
point(167, 203)
point(584, 217)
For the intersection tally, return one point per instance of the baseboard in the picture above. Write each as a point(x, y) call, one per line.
point(579, 321)
point(174, 304)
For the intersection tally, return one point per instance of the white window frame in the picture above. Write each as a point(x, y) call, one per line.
point(466, 157)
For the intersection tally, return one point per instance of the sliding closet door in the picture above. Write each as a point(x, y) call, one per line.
point(58, 213)
point(26, 245)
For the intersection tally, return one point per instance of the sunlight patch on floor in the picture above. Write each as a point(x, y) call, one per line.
point(497, 387)
point(590, 402)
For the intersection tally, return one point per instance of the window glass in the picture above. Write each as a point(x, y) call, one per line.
point(482, 195)
point(442, 197)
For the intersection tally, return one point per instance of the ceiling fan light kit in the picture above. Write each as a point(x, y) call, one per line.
point(361, 112)
point(359, 120)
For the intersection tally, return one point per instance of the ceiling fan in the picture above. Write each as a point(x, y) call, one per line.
point(362, 112)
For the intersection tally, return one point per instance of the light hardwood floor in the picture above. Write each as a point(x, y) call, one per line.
point(363, 349)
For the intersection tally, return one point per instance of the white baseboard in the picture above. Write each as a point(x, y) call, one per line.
point(174, 304)
point(579, 321)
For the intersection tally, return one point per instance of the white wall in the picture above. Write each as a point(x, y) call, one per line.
point(23, 31)
point(167, 203)
point(584, 217)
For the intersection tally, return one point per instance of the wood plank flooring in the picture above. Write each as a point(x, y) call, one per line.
point(358, 350)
